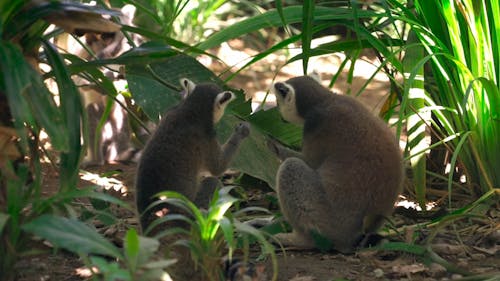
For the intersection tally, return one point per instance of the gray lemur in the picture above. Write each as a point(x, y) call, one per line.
point(348, 175)
point(184, 147)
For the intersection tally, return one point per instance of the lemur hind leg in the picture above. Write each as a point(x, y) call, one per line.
point(303, 202)
point(206, 189)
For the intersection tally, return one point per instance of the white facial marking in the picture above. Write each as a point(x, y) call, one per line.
point(220, 103)
point(287, 104)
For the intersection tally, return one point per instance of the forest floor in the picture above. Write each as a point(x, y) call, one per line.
point(471, 244)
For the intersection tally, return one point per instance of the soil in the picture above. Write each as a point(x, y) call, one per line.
point(471, 244)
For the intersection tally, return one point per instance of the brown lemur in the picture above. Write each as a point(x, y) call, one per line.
point(184, 148)
point(348, 174)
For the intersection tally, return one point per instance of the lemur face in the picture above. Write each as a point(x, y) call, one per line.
point(286, 99)
point(220, 103)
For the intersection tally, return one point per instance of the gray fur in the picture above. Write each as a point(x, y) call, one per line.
point(348, 174)
point(184, 147)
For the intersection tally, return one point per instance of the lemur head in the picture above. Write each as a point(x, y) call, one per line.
point(206, 93)
point(297, 96)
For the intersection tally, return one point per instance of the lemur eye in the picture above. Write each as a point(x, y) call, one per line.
point(281, 88)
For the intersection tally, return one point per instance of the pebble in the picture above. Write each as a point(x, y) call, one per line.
point(379, 273)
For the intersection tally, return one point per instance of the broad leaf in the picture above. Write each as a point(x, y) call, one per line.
point(3, 220)
point(131, 248)
point(72, 235)
point(72, 112)
point(156, 88)
point(153, 88)
point(253, 158)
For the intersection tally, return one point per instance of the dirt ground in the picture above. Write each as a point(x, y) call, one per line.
point(471, 244)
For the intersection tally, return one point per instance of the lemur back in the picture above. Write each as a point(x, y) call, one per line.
point(184, 147)
point(348, 174)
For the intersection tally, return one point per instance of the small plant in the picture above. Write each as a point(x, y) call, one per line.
point(212, 234)
point(25, 208)
point(133, 262)
point(28, 107)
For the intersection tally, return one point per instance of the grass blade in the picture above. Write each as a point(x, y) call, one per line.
point(71, 109)
point(307, 26)
point(416, 123)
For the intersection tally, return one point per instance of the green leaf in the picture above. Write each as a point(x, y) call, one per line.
point(343, 45)
point(279, 8)
point(131, 248)
point(110, 269)
point(47, 113)
point(270, 122)
point(274, 18)
point(7, 10)
point(3, 221)
point(253, 153)
point(146, 53)
point(14, 81)
point(180, 200)
point(267, 248)
point(72, 112)
point(228, 231)
point(71, 235)
point(402, 247)
point(154, 36)
point(150, 86)
point(416, 123)
point(64, 197)
point(150, 91)
point(147, 248)
point(463, 138)
point(279, 46)
point(29, 100)
point(160, 264)
point(307, 31)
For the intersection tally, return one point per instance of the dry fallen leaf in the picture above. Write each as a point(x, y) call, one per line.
point(303, 278)
point(409, 269)
point(8, 148)
point(447, 249)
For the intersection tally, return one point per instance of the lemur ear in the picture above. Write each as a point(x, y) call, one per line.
point(281, 89)
point(187, 86)
point(315, 75)
point(224, 98)
point(284, 90)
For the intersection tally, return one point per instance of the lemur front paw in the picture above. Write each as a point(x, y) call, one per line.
point(242, 129)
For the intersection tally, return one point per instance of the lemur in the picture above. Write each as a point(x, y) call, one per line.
point(348, 174)
point(184, 147)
